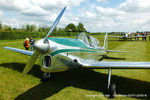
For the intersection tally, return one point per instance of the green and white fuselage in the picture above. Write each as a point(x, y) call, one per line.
point(73, 47)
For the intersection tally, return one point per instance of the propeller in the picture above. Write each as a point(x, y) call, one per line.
point(31, 62)
point(55, 23)
point(42, 46)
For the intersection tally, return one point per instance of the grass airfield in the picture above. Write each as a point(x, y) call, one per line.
point(74, 84)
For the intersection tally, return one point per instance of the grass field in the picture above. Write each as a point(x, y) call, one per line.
point(74, 84)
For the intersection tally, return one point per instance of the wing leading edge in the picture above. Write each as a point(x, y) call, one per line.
point(93, 64)
point(117, 65)
point(20, 51)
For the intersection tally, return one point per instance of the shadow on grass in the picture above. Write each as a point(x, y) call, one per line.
point(84, 79)
point(112, 58)
point(35, 71)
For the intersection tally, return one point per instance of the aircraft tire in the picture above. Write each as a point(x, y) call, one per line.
point(46, 77)
point(112, 90)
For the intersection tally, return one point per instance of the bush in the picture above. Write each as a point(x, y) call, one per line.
point(9, 35)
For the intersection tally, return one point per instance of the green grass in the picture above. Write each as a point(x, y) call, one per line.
point(74, 84)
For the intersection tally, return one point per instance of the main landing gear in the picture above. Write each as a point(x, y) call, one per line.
point(46, 76)
point(111, 87)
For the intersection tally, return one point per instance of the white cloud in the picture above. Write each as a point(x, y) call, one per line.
point(105, 1)
point(119, 18)
point(37, 12)
point(124, 17)
point(1, 13)
point(31, 6)
point(14, 5)
point(109, 11)
point(135, 6)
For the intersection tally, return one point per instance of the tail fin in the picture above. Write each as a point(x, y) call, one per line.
point(105, 42)
point(106, 45)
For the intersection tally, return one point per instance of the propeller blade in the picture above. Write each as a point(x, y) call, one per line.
point(55, 23)
point(31, 62)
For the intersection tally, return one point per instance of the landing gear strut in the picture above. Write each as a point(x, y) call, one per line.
point(111, 87)
point(46, 76)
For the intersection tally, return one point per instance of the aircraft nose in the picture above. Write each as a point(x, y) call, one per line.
point(42, 47)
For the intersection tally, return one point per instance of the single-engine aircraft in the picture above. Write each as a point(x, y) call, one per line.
point(128, 35)
point(81, 52)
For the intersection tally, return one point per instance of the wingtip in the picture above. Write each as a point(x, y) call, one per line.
point(4, 47)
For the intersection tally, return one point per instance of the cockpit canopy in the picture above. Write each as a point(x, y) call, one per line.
point(88, 40)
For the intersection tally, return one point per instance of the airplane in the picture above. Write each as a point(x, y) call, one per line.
point(61, 54)
point(128, 35)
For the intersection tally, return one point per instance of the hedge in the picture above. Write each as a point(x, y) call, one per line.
point(10, 35)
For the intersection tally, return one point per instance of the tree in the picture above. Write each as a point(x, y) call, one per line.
point(45, 29)
point(40, 29)
point(81, 28)
point(33, 28)
point(60, 30)
point(23, 28)
point(55, 29)
point(70, 28)
point(28, 27)
point(0, 25)
point(7, 28)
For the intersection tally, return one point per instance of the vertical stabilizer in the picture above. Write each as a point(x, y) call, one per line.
point(105, 42)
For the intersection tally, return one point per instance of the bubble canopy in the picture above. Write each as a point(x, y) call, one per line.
point(88, 40)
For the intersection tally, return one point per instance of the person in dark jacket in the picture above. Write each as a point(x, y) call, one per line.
point(32, 43)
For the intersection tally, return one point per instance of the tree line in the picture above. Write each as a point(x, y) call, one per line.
point(7, 32)
point(32, 28)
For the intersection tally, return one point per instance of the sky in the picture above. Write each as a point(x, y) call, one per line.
point(96, 15)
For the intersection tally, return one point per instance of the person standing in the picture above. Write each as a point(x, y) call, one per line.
point(26, 43)
point(138, 35)
point(32, 43)
point(143, 36)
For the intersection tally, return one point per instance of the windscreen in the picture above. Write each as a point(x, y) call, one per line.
point(88, 40)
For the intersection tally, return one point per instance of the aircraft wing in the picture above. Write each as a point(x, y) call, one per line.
point(94, 64)
point(116, 65)
point(121, 37)
point(20, 51)
point(137, 36)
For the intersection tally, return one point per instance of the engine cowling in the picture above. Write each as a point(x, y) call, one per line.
point(57, 63)
point(42, 46)
point(46, 61)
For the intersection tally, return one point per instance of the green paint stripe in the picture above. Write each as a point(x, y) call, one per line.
point(70, 42)
point(69, 50)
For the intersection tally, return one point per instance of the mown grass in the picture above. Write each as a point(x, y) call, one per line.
point(74, 84)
